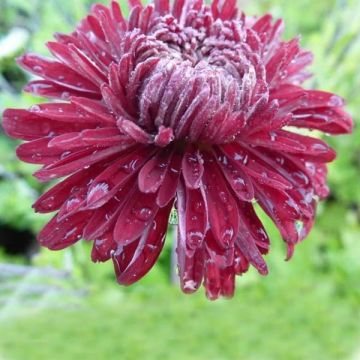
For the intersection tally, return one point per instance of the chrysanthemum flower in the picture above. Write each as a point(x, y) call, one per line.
point(188, 106)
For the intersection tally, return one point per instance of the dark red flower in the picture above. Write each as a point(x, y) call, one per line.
point(191, 106)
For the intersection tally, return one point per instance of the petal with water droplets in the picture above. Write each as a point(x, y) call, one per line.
point(192, 212)
point(103, 248)
point(57, 235)
point(192, 167)
point(115, 176)
point(137, 214)
point(169, 185)
point(152, 174)
point(143, 253)
point(222, 208)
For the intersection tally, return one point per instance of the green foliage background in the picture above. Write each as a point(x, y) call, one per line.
point(305, 309)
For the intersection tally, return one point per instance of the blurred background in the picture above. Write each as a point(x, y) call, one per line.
point(59, 305)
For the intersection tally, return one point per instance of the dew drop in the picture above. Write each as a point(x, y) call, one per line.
point(72, 204)
point(240, 181)
point(143, 214)
point(97, 192)
point(71, 232)
point(300, 175)
point(195, 237)
point(280, 160)
point(38, 68)
point(238, 157)
point(65, 155)
point(225, 160)
point(190, 285)
point(48, 203)
point(319, 147)
point(154, 225)
point(322, 117)
point(335, 101)
point(223, 197)
point(34, 108)
point(65, 95)
point(36, 157)
point(126, 168)
point(227, 234)
point(199, 207)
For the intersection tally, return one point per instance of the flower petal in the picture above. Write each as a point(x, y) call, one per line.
point(103, 248)
point(38, 152)
point(169, 185)
point(219, 272)
point(152, 174)
point(53, 199)
point(57, 72)
point(134, 218)
point(192, 167)
point(57, 235)
point(104, 218)
point(76, 161)
point(143, 256)
point(222, 208)
point(106, 184)
point(192, 212)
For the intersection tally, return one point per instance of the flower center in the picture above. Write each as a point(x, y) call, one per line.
point(194, 79)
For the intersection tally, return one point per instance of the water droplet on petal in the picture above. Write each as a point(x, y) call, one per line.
point(190, 285)
point(143, 214)
point(195, 238)
point(65, 95)
point(335, 101)
point(97, 192)
point(223, 197)
point(65, 155)
point(239, 180)
point(34, 108)
point(199, 207)
point(36, 157)
point(72, 204)
point(71, 232)
point(38, 68)
point(227, 235)
point(48, 203)
point(273, 136)
point(319, 147)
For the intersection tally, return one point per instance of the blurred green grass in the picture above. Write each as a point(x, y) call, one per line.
point(291, 319)
point(305, 309)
